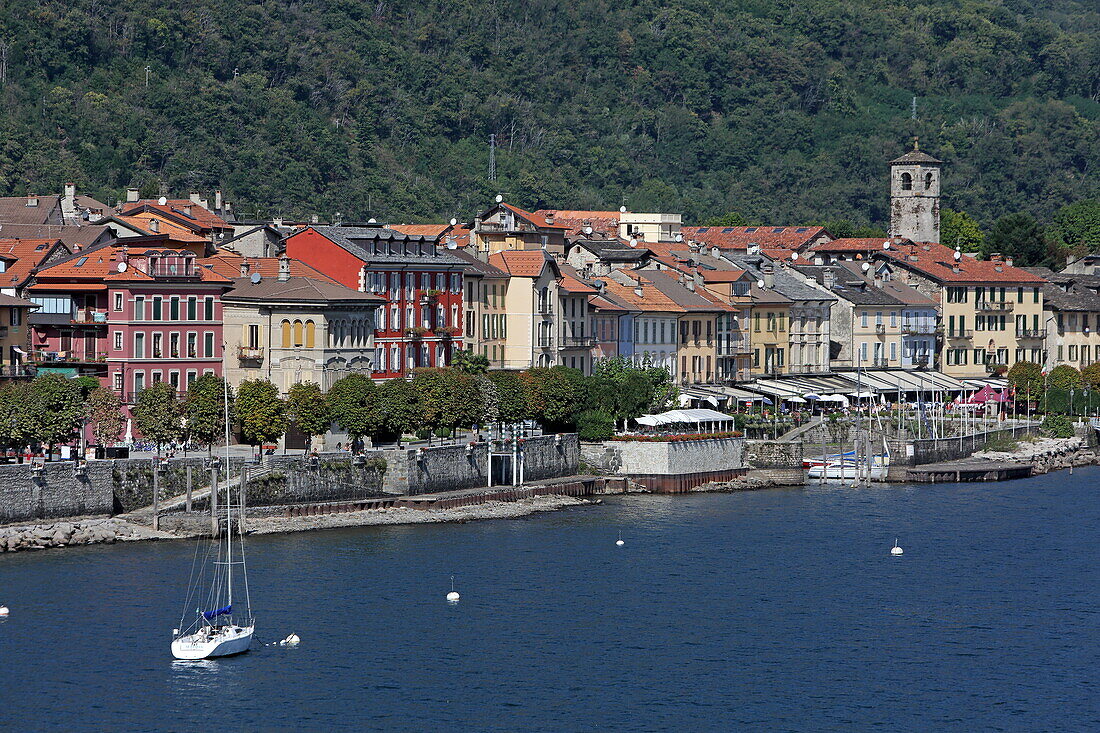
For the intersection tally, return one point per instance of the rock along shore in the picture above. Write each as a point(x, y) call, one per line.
point(81, 531)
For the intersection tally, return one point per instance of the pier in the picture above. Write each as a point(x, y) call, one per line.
point(968, 470)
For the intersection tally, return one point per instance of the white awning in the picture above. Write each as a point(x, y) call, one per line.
point(673, 417)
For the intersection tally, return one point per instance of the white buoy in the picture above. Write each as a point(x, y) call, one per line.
point(895, 550)
point(619, 542)
point(3, 611)
point(453, 596)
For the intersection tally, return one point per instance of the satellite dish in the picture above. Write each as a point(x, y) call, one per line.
point(499, 198)
point(588, 230)
point(679, 237)
point(622, 209)
point(454, 221)
point(372, 220)
point(958, 255)
point(162, 201)
point(121, 267)
point(255, 278)
point(866, 266)
point(633, 242)
point(886, 245)
point(760, 283)
point(794, 256)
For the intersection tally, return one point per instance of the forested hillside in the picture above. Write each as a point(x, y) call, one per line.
point(783, 110)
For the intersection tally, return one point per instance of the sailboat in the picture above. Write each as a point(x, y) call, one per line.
point(222, 630)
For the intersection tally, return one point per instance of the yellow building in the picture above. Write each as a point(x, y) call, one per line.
point(505, 228)
point(529, 331)
point(768, 338)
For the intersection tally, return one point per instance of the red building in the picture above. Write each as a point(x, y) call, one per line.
point(421, 322)
point(130, 316)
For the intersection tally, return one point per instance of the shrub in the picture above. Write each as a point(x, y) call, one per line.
point(677, 438)
point(595, 425)
point(1057, 426)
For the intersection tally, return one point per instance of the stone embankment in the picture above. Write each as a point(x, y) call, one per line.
point(744, 483)
point(1046, 454)
point(76, 532)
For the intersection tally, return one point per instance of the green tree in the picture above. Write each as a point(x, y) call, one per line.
point(447, 398)
point(103, 409)
point(554, 395)
point(595, 425)
point(1090, 375)
point(1076, 226)
point(204, 410)
point(1018, 236)
point(1064, 376)
point(307, 408)
point(1027, 378)
point(958, 229)
point(730, 219)
point(511, 398)
point(17, 422)
point(469, 362)
point(56, 407)
point(260, 412)
point(354, 405)
point(399, 404)
point(158, 414)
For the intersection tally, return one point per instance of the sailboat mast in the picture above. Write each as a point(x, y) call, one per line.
point(228, 501)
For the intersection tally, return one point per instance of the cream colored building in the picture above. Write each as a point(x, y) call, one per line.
point(530, 333)
point(1071, 319)
point(296, 329)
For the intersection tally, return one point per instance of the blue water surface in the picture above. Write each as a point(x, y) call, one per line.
point(770, 610)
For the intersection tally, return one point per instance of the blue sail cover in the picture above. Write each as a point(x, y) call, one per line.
point(209, 615)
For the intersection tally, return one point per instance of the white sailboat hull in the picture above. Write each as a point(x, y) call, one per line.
point(848, 470)
point(226, 642)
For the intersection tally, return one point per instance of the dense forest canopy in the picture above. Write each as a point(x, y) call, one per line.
point(785, 111)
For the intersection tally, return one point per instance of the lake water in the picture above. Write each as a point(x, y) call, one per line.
point(771, 610)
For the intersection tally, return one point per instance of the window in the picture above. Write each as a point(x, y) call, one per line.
point(756, 323)
point(53, 304)
point(174, 379)
point(863, 319)
point(15, 316)
point(906, 182)
point(157, 312)
point(310, 334)
point(157, 376)
point(863, 352)
point(208, 309)
point(192, 308)
point(139, 347)
point(979, 323)
point(1035, 295)
point(284, 327)
point(118, 301)
point(928, 181)
point(174, 309)
point(174, 345)
point(139, 382)
point(118, 340)
point(456, 282)
point(893, 351)
point(158, 341)
point(893, 319)
point(208, 345)
point(191, 377)
point(139, 308)
point(193, 345)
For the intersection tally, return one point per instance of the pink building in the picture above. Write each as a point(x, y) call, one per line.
point(130, 316)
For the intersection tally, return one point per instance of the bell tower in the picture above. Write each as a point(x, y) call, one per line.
point(915, 196)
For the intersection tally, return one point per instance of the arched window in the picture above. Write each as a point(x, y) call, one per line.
point(297, 333)
point(928, 181)
point(310, 326)
point(906, 182)
point(286, 334)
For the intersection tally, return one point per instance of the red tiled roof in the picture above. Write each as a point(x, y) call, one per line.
point(741, 237)
point(23, 255)
point(521, 263)
point(721, 276)
point(651, 300)
point(536, 219)
point(858, 244)
point(604, 223)
point(938, 263)
point(175, 231)
point(180, 207)
point(228, 264)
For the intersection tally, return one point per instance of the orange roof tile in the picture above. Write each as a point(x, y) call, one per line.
point(181, 207)
point(521, 263)
point(23, 255)
point(228, 264)
point(741, 237)
point(175, 231)
point(424, 230)
point(603, 223)
point(936, 261)
point(536, 219)
point(651, 300)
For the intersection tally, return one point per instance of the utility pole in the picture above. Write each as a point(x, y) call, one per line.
point(492, 157)
point(147, 70)
point(913, 112)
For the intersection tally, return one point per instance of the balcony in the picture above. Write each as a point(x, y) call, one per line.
point(89, 315)
point(880, 328)
point(915, 329)
point(577, 342)
point(969, 334)
point(993, 306)
point(545, 309)
point(250, 353)
point(66, 357)
point(1031, 333)
point(880, 361)
point(544, 342)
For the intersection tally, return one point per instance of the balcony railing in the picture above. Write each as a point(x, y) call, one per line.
point(546, 309)
point(545, 342)
point(880, 328)
point(995, 306)
point(66, 357)
point(957, 334)
point(577, 342)
point(1032, 333)
point(250, 353)
point(89, 315)
point(914, 329)
point(880, 361)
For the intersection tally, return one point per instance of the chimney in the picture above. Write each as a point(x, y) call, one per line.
point(752, 249)
point(194, 196)
point(549, 217)
point(32, 201)
point(154, 226)
point(278, 223)
point(70, 191)
point(828, 278)
point(218, 200)
point(714, 252)
point(202, 203)
point(313, 219)
point(638, 290)
point(995, 257)
point(284, 269)
point(131, 195)
point(244, 267)
point(769, 277)
point(1008, 261)
point(228, 207)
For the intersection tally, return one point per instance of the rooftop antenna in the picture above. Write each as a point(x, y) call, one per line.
point(492, 157)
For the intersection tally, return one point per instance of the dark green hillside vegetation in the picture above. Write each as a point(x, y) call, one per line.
point(785, 112)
